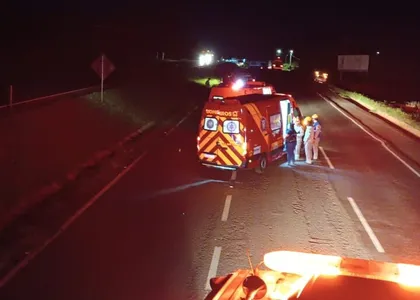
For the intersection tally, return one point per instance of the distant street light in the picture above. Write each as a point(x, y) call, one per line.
point(278, 51)
point(290, 59)
point(377, 52)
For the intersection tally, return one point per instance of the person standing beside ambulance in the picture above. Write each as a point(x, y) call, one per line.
point(308, 139)
point(290, 146)
point(300, 131)
point(317, 135)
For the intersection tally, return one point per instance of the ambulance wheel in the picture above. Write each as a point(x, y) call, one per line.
point(262, 164)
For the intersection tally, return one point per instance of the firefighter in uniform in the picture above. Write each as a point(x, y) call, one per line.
point(300, 131)
point(317, 135)
point(308, 139)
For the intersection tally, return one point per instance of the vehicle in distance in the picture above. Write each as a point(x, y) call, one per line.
point(291, 275)
point(277, 64)
point(320, 77)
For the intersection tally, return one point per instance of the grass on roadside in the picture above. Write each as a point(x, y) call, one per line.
point(202, 81)
point(115, 103)
point(140, 105)
point(379, 107)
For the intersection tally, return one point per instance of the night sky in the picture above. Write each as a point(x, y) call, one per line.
point(39, 33)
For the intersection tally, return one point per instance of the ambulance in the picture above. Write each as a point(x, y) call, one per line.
point(244, 131)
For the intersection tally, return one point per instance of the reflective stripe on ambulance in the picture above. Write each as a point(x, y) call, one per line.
point(229, 156)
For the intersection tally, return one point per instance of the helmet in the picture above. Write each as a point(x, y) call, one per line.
point(307, 120)
point(314, 116)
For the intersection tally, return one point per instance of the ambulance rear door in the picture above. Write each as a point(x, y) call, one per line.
point(287, 120)
point(222, 137)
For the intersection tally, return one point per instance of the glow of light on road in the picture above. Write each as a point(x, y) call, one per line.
point(182, 188)
point(366, 225)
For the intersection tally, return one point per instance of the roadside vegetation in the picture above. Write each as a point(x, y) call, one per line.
point(202, 81)
point(116, 104)
point(290, 67)
point(408, 113)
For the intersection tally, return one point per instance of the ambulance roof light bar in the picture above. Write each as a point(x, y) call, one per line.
point(238, 84)
point(309, 264)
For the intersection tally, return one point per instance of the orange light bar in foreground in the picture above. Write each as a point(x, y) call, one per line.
point(308, 264)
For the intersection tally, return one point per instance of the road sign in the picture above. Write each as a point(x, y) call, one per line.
point(103, 67)
point(108, 67)
point(353, 63)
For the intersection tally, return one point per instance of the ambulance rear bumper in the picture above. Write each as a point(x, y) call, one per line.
point(230, 168)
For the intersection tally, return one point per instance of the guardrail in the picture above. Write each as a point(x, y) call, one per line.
point(83, 90)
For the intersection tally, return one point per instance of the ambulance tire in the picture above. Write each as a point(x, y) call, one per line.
point(262, 164)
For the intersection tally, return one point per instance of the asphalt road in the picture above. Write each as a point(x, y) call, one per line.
point(169, 223)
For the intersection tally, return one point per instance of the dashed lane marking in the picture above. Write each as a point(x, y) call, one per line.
point(366, 226)
point(213, 266)
point(225, 213)
point(327, 158)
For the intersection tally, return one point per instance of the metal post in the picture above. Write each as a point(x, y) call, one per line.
point(102, 78)
point(11, 95)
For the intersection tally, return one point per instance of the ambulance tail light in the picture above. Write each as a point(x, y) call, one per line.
point(313, 265)
point(198, 143)
point(244, 148)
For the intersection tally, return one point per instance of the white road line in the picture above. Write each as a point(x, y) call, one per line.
point(374, 137)
point(366, 226)
point(327, 158)
point(225, 213)
point(22, 264)
point(213, 266)
point(181, 121)
point(233, 177)
point(71, 220)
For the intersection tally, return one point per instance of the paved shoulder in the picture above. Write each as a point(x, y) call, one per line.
point(392, 135)
point(375, 187)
